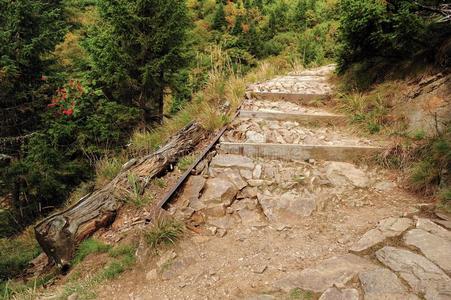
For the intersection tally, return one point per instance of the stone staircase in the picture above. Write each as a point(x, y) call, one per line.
point(288, 208)
point(273, 122)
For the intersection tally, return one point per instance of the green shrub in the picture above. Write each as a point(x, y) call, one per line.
point(391, 30)
point(430, 172)
point(318, 44)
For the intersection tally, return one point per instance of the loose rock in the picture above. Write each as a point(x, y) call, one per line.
point(288, 208)
point(387, 228)
point(341, 173)
point(192, 189)
point(219, 191)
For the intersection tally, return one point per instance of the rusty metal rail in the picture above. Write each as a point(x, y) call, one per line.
point(185, 175)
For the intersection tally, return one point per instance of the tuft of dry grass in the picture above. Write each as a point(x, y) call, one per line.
point(108, 167)
point(372, 111)
point(164, 230)
point(225, 86)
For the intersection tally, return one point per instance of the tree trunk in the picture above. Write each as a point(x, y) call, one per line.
point(60, 233)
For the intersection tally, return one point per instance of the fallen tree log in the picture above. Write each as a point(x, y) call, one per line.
point(59, 234)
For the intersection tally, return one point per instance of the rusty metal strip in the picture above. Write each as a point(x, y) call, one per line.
point(185, 175)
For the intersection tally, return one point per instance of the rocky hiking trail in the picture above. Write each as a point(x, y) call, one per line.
point(289, 207)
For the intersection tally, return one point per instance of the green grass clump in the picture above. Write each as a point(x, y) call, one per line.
point(122, 250)
point(15, 254)
point(185, 162)
point(88, 247)
point(107, 169)
point(371, 111)
point(160, 182)
point(164, 231)
point(299, 294)
point(19, 290)
point(137, 197)
point(429, 173)
point(123, 258)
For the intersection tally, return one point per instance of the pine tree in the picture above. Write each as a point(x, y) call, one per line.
point(219, 20)
point(300, 13)
point(259, 4)
point(238, 27)
point(135, 50)
point(29, 32)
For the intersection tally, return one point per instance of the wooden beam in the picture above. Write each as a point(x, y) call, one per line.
point(59, 234)
point(301, 152)
point(298, 117)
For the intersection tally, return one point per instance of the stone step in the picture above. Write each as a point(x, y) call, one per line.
point(298, 98)
point(334, 119)
point(301, 152)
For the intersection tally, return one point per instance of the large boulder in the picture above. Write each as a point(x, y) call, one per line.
point(234, 176)
point(421, 274)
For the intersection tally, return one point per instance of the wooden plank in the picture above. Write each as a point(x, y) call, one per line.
point(291, 97)
point(300, 152)
point(298, 117)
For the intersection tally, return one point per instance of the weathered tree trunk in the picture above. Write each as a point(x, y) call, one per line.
point(60, 233)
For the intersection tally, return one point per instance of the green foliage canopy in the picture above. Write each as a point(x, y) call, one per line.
point(136, 48)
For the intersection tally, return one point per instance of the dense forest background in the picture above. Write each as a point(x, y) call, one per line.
point(82, 80)
point(79, 76)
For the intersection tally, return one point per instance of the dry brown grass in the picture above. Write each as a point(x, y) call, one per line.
point(224, 86)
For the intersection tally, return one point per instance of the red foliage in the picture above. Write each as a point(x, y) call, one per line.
point(66, 98)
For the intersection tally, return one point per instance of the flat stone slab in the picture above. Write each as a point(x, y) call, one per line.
point(421, 274)
point(297, 117)
point(232, 161)
point(289, 208)
point(381, 283)
point(434, 247)
point(335, 294)
point(431, 227)
point(342, 173)
point(335, 271)
point(390, 227)
point(300, 152)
